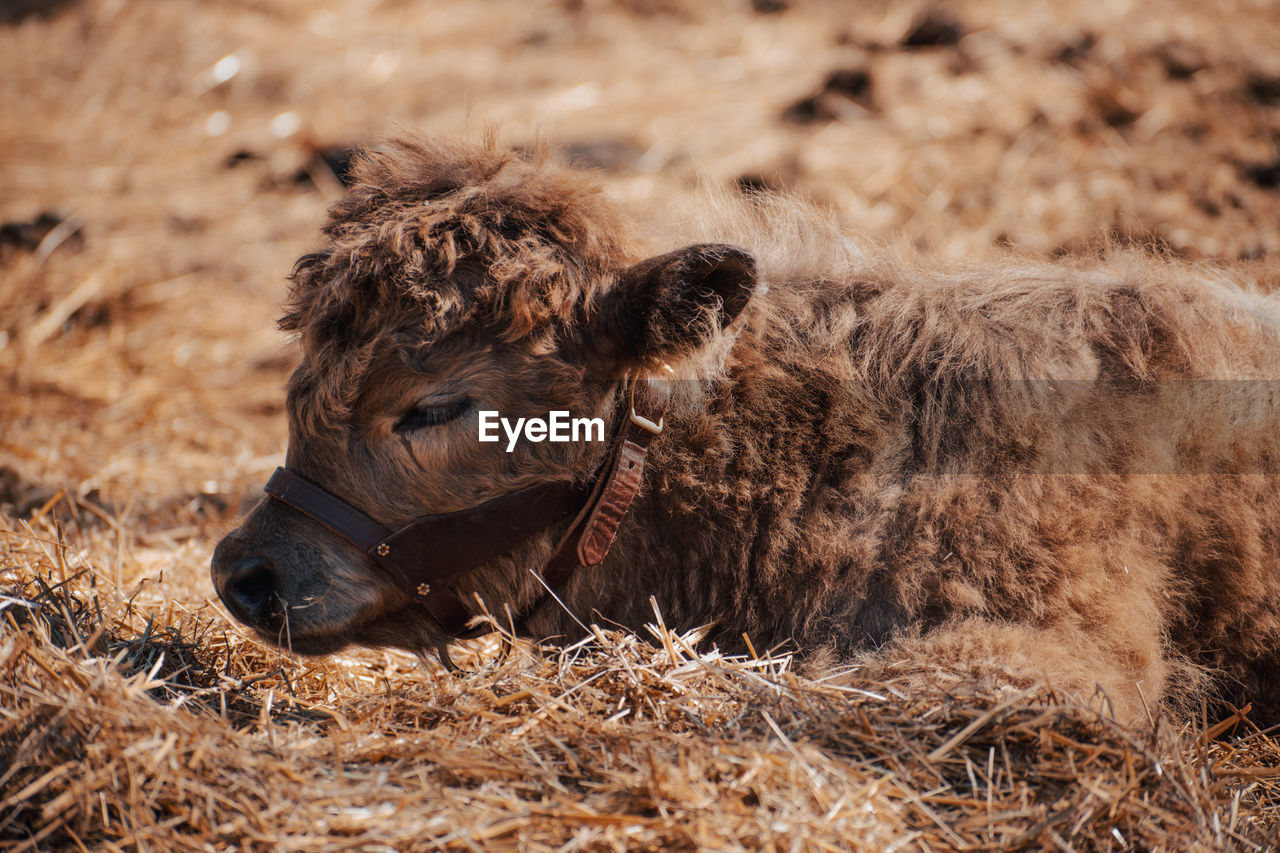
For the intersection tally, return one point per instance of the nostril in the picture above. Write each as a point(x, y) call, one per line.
point(250, 590)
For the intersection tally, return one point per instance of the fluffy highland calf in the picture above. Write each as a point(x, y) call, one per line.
point(1062, 471)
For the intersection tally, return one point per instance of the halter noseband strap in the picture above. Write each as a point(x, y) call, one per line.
point(433, 551)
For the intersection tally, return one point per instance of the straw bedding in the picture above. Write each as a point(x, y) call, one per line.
point(120, 733)
point(159, 173)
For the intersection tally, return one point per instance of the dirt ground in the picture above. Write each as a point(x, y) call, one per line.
point(162, 164)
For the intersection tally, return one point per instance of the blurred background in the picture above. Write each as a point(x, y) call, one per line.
point(162, 164)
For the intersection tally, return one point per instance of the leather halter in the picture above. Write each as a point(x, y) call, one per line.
point(433, 551)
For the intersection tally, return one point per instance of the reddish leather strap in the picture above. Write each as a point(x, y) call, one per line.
point(621, 489)
point(591, 535)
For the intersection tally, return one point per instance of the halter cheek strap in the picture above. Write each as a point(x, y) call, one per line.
point(433, 551)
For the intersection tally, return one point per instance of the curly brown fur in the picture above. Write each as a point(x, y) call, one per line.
point(1062, 471)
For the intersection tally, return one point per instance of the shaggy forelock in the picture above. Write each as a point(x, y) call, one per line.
point(436, 236)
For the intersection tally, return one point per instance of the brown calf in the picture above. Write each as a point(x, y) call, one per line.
point(1058, 470)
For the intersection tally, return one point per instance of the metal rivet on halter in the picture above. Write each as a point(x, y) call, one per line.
point(382, 550)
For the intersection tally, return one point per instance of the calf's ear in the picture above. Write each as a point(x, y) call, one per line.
point(673, 304)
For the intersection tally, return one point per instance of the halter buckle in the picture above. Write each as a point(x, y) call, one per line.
point(639, 419)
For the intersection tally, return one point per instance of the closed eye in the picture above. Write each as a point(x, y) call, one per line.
point(429, 415)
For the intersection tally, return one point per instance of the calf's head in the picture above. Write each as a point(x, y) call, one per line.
point(454, 280)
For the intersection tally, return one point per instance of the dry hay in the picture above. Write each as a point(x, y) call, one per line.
point(158, 175)
point(119, 733)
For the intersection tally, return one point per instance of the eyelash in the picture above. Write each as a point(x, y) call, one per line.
point(421, 417)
